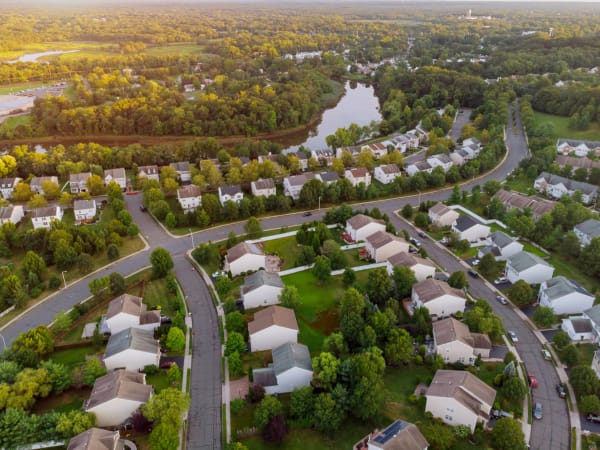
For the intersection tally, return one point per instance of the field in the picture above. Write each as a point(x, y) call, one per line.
point(14, 122)
point(562, 130)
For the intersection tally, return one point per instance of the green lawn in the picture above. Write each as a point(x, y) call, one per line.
point(67, 401)
point(14, 122)
point(400, 384)
point(159, 380)
point(570, 270)
point(286, 248)
point(520, 183)
point(183, 49)
point(487, 372)
point(562, 130)
point(72, 357)
point(585, 353)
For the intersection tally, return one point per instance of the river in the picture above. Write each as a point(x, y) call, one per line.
point(33, 57)
point(359, 105)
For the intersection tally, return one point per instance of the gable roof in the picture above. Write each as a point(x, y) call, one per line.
point(590, 227)
point(241, 249)
point(291, 355)
point(261, 278)
point(230, 189)
point(512, 199)
point(131, 338)
point(79, 177)
point(189, 191)
point(560, 286)
point(115, 173)
point(7, 211)
point(148, 170)
point(381, 238)
point(96, 439)
point(181, 166)
point(594, 314)
point(9, 182)
point(125, 303)
point(524, 260)
point(300, 180)
point(501, 239)
point(464, 223)
point(408, 260)
point(264, 183)
point(439, 209)
point(450, 330)
point(430, 289)
point(119, 384)
point(581, 324)
point(46, 211)
point(464, 387)
point(389, 169)
point(360, 220)
point(358, 172)
point(84, 204)
point(37, 181)
point(399, 435)
point(273, 315)
point(576, 163)
point(573, 185)
point(329, 177)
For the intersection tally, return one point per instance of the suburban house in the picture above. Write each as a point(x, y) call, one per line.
point(579, 148)
point(419, 166)
point(360, 226)
point(353, 150)
point(303, 157)
point(128, 311)
point(577, 163)
point(96, 439)
point(116, 175)
point(264, 187)
point(459, 398)
point(272, 327)
point(469, 229)
point(453, 341)
point(459, 156)
point(382, 245)
point(596, 363)
point(149, 172)
point(587, 230)
point(293, 184)
point(324, 157)
point(84, 210)
point(537, 205)
point(438, 297)
point(386, 173)
point(43, 217)
point(440, 160)
point(579, 328)
point(183, 171)
point(244, 257)
point(565, 296)
point(594, 315)
point(328, 178)
point(7, 186)
point(116, 396)
point(36, 183)
point(472, 141)
point(377, 149)
point(421, 267)
point(11, 214)
point(261, 288)
point(501, 246)
point(442, 216)
point(230, 192)
point(556, 186)
point(357, 176)
point(291, 369)
point(399, 435)
point(78, 182)
point(131, 349)
point(528, 267)
point(189, 197)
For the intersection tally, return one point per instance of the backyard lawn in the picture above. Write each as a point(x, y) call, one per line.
point(72, 357)
point(69, 400)
point(286, 248)
point(561, 127)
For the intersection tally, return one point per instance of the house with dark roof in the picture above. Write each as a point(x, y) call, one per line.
point(501, 246)
point(387, 173)
point(594, 315)
point(577, 147)
point(360, 226)
point(149, 172)
point(117, 175)
point(7, 186)
point(441, 160)
point(556, 186)
point(263, 187)
point(382, 245)
point(442, 216)
point(84, 210)
point(440, 299)
point(459, 398)
point(116, 396)
point(96, 439)
point(11, 214)
point(422, 268)
point(128, 311)
point(565, 296)
point(587, 230)
point(131, 349)
point(453, 341)
point(43, 217)
point(272, 327)
point(469, 229)
point(516, 200)
point(579, 328)
point(184, 171)
point(418, 166)
point(400, 435)
point(230, 193)
point(78, 182)
point(328, 178)
point(324, 156)
point(292, 185)
point(291, 369)
point(36, 183)
point(528, 267)
point(189, 197)
point(244, 257)
point(358, 175)
point(261, 288)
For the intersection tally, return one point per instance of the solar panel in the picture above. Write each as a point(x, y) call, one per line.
point(390, 432)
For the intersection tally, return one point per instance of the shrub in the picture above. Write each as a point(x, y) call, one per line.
point(236, 405)
point(151, 369)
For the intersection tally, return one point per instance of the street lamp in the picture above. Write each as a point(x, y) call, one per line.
point(319, 202)
point(192, 236)
point(64, 279)
point(419, 205)
point(3, 342)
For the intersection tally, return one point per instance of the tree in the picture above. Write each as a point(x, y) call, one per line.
point(275, 430)
point(398, 348)
point(439, 436)
point(520, 293)
point(175, 339)
point(234, 321)
point(367, 393)
point(589, 404)
point(161, 261)
point(33, 263)
point(488, 266)
point(50, 189)
point(113, 192)
point(95, 185)
point(235, 364)
point(289, 297)
point(379, 286)
point(544, 316)
point(310, 193)
point(60, 375)
point(407, 211)
point(348, 277)
point(302, 402)
point(514, 389)
point(112, 252)
point(421, 220)
point(570, 356)
point(74, 422)
point(22, 192)
point(325, 368)
point(458, 280)
point(38, 339)
point(507, 434)
point(561, 339)
point(174, 374)
point(404, 279)
point(92, 370)
point(164, 437)
point(235, 343)
point(166, 407)
point(322, 268)
point(37, 201)
point(267, 408)
point(253, 228)
point(327, 415)
point(117, 284)
point(584, 380)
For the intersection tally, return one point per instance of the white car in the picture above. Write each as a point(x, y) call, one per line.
point(513, 336)
point(500, 280)
point(219, 273)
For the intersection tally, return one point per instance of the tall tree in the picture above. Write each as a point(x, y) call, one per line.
point(161, 261)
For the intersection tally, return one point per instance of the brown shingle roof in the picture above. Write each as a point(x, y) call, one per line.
point(408, 260)
point(264, 183)
point(381, 238)
point(150, 317)
point(463, 387)
point(273, 315)
point(79, 177)
point(390, 169)
point(96, 439)
point(360, 220)
point(128, 304)
point(189, 191)
point(241, 249)
point(399, 435)
point(450, 330)
point(119, 384)
point(439, 208)
point(359, 172)
point(46, 211)
point(430, 289)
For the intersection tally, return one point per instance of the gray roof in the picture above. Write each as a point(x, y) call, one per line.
point(329, 177)
point(241, 249)
point(119, 384)
point(230, 189)
point(264, 183)
point(84, 204)
point(300, 180)
point(524, 260)
point(442, 157)
point(131, 338)
point(572, 185)
point(6, 211)
point(96, 439)
point(464, 387)
point(590, 227)
point(46, 211)
point(37, 181)
point(79, 177)
point(261, 278)
point(594, 314)
point(465, 222)
point(581, 324)
point(291, 355)
point(560, 286)
point(389, 169)
point(181, 166)
point(501, 239)
point(115, 173)
point(9, 182)
point(399, 435)
point(264, 377)
point(576, 142)
point(361, 220)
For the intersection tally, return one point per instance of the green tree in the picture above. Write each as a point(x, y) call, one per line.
point(235, 364)
point(488, 266)
point(507, 434)
point(32, 263)
point(348, 277)
point(327, 415)
point(520, 293)
point(175, 339)
point(379, 286)
point(289, 297)
point(95, 185)
point(302, 402)
point(325, 368)
point(398, 348)
point(514, 389)
point(235, 343)
point(161, 261)
point(544, 316)
point(310, 193)
point(253, 228)
point(117, 284)
point(38, 339)
point(458, 280)
point(74, 422)
point(174, 374)
point(234, 321)
point(100, 287)
point(407, 211)
point(584, 380)
point(112, 252)
point(268, 408)
point(223, 284)
point(113, 192)
point(166, 407)
point(62, 321)
point(351, 317)
point(93, 370)
point(570, 356)
point(561, 339)
point(65, 255)
point(164, 437)
point(589, 404)
point(421, 220)
point(367, 393)
point(60, 375)
point(322, 268)
point(439, 436)
point(404, 279)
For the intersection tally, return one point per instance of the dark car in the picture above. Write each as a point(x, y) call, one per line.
point(422, 234)
point(593, 418)
point(142, 208)
point(307, 213)
point(560, 390)
point(473, 273)
point(415, 242)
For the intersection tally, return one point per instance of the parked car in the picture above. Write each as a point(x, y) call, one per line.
point(501, 299)
point(499, 414)
point(415, 242)
point(546, 354)
point(444, 241)
point(500, 280)
point(593, 418)
point(537, 410)
point(560, 390)
point(473, 273)
point(533, 382)
point(307, 213)
point(219, 273)
point(475, 261)
point(513, 337)
point(422, 234)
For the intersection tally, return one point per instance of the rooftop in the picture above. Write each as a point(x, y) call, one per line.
point(590, 227)
point(463, 223)
point(430, 289)
point(148, 170)
point(241, 249)
point(84, 204)
point(128, 304)
point(47, 211)
point(6, 211)
point(329, 177)
point(189, 191)
point(464, 387)
point(389, 169)
point(381, 238)
point(358, 172)
point(560, 286)
point(439, 209)
point(570, 184)
point(181, 166)
point(261, 278)
point(115, 173)
point(264, 183)
point(360, 220)
point(79, 177)
point(524, 260)
point(96, 439)
point(119, 384)
point(501, 239)
point(408, 260)
point(131, 338)
point(450, 330)
point(399, 435)
point(273, 315)
point(291, 355)
point(230, 189)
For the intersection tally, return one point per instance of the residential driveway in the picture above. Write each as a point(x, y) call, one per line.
point(586, 425)
point(176, 359)
point(462, 118)
point(549, 334)
point(239, 388)
point(498, 351)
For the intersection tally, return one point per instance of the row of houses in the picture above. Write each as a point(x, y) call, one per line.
point(84, 211)
point(469, 150)
point(578, 148)
point(556, 186)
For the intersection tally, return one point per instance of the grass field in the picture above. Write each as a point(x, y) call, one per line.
point(67, 401)
point(14, 122)
point(562, 130)
point(72, 357)
point(286, 248)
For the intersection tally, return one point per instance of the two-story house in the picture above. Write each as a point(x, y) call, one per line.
point(442, 216)
point(149, 172)
point(84, 210)
point(453, 341)
point(440, 299)
point(11, 214)
point(184, 172)
point(501, 246)
point(527, 267)
point(587, 230)
point(357, 176)
point(292, 185)
point(37, 182)
point(230, 193)
point(565, 296)
point(469, 229)
point(556, 186)
point(78, 182)
point(189, 197)
point(7, 186)
point(360, 226)
point(263, 187)
point(382, 245)
point(43, 217)
point(387, 173)
point(117, 175)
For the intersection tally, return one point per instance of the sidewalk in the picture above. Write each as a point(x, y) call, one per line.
point(525, 425)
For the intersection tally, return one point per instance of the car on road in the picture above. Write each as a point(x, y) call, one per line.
point(142, 208)
point(593, 418)
point(532, 380)
point(513, 337)
point(500, 280)
point(475, 261)
point(546, 354)
point(219, 273)
point(415, 242)
point(537, 410)
point(560, 390)
point(422, 234)
point(501, 300)
point(307, 213)
point(473, 273)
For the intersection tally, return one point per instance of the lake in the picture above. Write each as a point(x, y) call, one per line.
point(33, 57)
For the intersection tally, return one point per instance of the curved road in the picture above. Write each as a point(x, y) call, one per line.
point(205, 411)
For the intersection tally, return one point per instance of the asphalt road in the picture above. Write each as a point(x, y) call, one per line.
point(205, 414)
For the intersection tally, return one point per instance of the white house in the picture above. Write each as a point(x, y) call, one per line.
point(360, 226)
point(594, 315)
point(244, 257)
point(78, 182)
point(578, 328)
point(272, 327)
point(421, 267)
point(459, 398)
point(291, 369)
point(230, 192)
point(587, 230)
point(352, 150)
point(43, 217)
point(596, 363)
point(440, 160)
point(117, 175)
point(382, 245)
point(189, 197)
point(453, 341)
point(128, 311)
point(96, 438)
point(459, 157)
point(149, 172)
point(264, 187)
point(565, 296)
point(399, 435)
point(84, 210)
point(116, 396)
point(501, 245)
point(357, 176)
point(528, 267)
point(469, 229)
point(327, 178)
point(419, 166)
point(438, 297)
point(7, 186)
point(183, 171)
point(36, 183)
point(556, 186)
point(442, 216)
point(471, 141)
point(292, 185)
point(131, 349)
point(324, 157)
point(377, 149)
point(11, 214)
point(579, 148)
point(387, 173)
point(261, 288)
